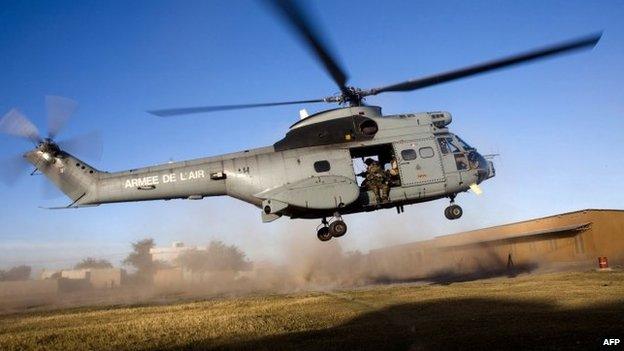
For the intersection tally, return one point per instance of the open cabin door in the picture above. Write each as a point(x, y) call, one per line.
point(419, 162)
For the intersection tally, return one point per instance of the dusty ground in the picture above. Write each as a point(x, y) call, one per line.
point(548, 311)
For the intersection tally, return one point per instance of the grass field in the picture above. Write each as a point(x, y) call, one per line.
point(549, 311)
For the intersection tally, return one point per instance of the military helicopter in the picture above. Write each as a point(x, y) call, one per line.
point(310, 172)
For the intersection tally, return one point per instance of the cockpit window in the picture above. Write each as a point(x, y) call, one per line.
point(464, 144)
point(452, 145)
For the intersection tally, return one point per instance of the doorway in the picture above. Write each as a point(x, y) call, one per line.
point(383, 154)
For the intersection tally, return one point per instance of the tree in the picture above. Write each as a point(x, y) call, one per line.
point(16, 273)
point(91, 262)
point(141, 259)
point(217, 257)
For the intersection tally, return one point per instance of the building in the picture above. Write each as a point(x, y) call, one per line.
point(170, 254)
point(98, 278)
point(574, 239)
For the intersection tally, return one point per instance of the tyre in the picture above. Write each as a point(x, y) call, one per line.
point(447, 213)
point(455, 211)
point(323, 234)
point(338, 229)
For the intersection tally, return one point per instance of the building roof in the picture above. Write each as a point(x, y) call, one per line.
point(531, 220)
point(481, 237)
point(561, 231)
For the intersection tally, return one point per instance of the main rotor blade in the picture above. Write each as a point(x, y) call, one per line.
point(201, 109)
point(297, 19)
point(15, 123)
point(87, 145)
point(59, 109)
point(12, 168)
point(557, 49)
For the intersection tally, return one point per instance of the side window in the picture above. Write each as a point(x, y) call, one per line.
point(322, 166)
point(408, 154)
point(426, 152)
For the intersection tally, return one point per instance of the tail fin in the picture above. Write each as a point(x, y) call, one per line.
point(72, 176)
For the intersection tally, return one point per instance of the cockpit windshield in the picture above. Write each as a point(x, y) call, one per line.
point(447, 144)
point(464, 144)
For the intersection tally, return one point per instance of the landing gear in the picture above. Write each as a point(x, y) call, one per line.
point(338, 228)
point(453, 211)
point(323, 234)
point(335, 229)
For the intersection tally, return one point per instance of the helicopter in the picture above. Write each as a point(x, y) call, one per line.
point(311, 172)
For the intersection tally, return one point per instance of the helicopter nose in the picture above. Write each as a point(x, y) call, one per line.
point(485, 168)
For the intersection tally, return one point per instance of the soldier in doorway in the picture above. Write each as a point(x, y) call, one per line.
point(376, 180)
point(392, 174)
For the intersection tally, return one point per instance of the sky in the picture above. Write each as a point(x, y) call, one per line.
point(557, 124)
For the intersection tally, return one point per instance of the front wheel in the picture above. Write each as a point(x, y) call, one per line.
point(338, 228)
point(323, 234)
point(453, 212)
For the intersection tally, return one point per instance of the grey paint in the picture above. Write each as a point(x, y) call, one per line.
point(286, 177)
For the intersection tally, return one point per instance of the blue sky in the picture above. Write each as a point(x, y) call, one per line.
point(557, 124)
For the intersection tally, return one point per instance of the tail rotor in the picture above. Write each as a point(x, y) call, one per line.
point(59, 112)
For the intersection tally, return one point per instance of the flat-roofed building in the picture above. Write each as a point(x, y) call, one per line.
point(171, 253)
point(99, 278)
point(574, 239)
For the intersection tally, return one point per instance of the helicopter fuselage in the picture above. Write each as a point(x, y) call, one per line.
point(309, 174)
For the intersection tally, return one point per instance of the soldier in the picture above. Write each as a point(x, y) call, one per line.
point(393, 173)
point(376, 180)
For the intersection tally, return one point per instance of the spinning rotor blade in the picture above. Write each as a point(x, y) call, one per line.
point(15, 123)
point(87, 145)
point(12, 168)
point(557, 49)
point(59, 109)
point(296, 18)
point(200, 109)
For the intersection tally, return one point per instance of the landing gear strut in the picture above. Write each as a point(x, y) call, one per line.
point(453, 211)
point(335, 229)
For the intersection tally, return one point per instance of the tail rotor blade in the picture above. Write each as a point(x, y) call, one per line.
point(87, 145)
point(16, 124)
point(59, 110)
point(12, 168)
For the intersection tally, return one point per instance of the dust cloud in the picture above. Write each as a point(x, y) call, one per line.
point(298, 263)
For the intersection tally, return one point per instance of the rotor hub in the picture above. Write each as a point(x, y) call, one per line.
point(48, 146)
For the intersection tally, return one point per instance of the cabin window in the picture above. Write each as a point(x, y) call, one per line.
point(426, 152)
point(322, 166)
point(408, 154)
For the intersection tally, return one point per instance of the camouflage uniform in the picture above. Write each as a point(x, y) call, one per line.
point(377, 182)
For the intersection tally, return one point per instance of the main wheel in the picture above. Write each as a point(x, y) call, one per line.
point(323, 234)
point(447, 214)
point(338, 228)
point(454, 211)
